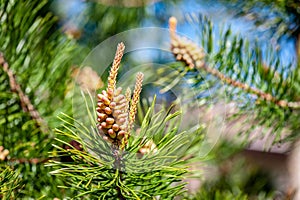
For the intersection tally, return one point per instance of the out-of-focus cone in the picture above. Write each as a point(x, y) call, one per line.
point(87, 79)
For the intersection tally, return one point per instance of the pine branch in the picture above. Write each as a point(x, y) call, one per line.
point(25, 101)
point(101, 171)
point(193, 56)
point(116, 115)
point(112, 168)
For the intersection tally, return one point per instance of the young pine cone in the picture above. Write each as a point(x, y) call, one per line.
point(112, 111)
point(115, 111)
point(184, 49)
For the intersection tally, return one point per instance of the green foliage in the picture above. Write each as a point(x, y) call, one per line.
point(102, 172)
point(39, 57)
point(246, 63)
point(9, 182)
point(236, 58)
point(267, 78)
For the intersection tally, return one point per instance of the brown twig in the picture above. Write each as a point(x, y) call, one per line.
point(31, 160)
point(118, 164)
point(188, 52)
point(263, 95)
point(25, 101)
point(245, 87)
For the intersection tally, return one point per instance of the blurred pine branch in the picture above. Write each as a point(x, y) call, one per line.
point(35, 62)
point(245, 71)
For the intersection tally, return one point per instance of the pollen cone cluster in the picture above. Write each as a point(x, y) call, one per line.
point(184, 49)
point(113, 108)
point(112, 115)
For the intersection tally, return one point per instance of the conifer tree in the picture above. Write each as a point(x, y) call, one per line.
point(47, 152)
